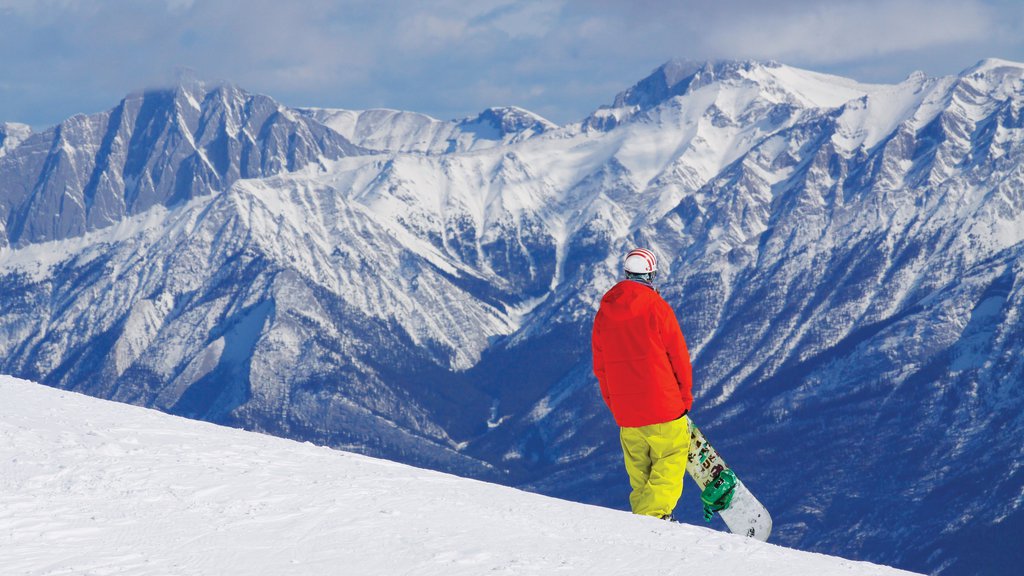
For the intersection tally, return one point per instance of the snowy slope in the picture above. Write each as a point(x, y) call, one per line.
point(93, 487)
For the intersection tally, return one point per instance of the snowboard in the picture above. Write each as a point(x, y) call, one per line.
point(737, 506)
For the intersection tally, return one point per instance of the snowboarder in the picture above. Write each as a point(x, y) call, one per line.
point(643, 368)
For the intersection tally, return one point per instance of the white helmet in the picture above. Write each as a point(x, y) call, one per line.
point(640, 261)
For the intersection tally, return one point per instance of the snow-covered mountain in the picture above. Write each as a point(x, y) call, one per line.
point(397, 131)
point(156, 148)
point(94, 487)
point(846, 261)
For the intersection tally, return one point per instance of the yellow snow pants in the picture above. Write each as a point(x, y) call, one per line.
point(655, 458)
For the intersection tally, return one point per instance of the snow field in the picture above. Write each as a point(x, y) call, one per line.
point(92, 487)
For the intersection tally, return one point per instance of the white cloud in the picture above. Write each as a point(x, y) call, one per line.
point(534, 19)
point(840, 32)
point(451, 57)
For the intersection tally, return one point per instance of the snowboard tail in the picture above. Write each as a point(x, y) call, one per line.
point(727, 495)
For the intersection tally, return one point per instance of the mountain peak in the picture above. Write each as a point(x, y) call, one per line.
point(12, 134)
point(190, 89)
point(502, 121)
point(776, 83)
point(158, 146)
point(992, 65)
point(676, 76)
point(670, 79)
point(998, 79)
point(188, 80)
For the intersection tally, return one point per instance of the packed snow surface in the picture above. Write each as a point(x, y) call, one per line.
point(95, 487)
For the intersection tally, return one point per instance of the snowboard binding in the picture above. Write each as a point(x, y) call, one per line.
point(718, 494)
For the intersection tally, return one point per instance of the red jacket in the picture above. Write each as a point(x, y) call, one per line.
point(640, 356)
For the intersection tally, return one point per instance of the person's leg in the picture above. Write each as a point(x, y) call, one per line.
point(636, 454)
point(669, 448)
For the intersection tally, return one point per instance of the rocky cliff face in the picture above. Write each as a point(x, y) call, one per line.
point(846, 261)
point(156, 148)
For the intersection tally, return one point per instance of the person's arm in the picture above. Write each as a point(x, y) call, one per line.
point(595, 344)
point(678, 355)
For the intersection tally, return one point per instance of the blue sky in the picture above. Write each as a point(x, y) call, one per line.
point(453, 58)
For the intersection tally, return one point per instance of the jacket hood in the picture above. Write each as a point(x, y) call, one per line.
point(627, 299)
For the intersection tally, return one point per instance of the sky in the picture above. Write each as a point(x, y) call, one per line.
point(450, 59)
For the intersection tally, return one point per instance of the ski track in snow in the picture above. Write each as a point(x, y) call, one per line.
point(97, 488)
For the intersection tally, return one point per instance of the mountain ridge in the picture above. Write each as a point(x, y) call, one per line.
point(155, 147)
